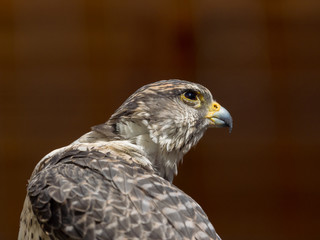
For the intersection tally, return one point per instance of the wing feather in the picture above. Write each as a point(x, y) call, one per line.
point(92, 195)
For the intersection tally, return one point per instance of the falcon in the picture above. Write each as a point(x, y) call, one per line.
point(115, 182)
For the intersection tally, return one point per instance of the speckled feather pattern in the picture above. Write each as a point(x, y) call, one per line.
point(95, 195)
point(115, 182)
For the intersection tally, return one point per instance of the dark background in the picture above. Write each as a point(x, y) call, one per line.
point(67, 65)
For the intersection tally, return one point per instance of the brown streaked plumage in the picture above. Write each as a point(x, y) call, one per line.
point(115, 181)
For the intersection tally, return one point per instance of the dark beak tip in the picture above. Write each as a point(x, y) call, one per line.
point(230, 125)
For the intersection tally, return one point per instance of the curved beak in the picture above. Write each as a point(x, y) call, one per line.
point(219, 116)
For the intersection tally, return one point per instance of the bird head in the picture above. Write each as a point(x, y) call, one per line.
point(167, 118)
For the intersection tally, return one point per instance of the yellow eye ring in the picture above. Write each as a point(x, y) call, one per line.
point(191, 97)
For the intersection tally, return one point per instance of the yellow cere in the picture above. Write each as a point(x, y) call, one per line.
point(215, 107)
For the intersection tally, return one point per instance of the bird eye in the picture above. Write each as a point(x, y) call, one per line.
point(191, 95)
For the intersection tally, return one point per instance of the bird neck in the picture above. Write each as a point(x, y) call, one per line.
point(163, 161)
point(162, 150)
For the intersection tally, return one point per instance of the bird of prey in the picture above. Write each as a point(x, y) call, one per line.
point(115, 182)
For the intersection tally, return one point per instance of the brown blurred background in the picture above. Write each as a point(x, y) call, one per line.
point(67, 65)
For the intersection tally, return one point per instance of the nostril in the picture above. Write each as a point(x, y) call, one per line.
point(216, 106)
